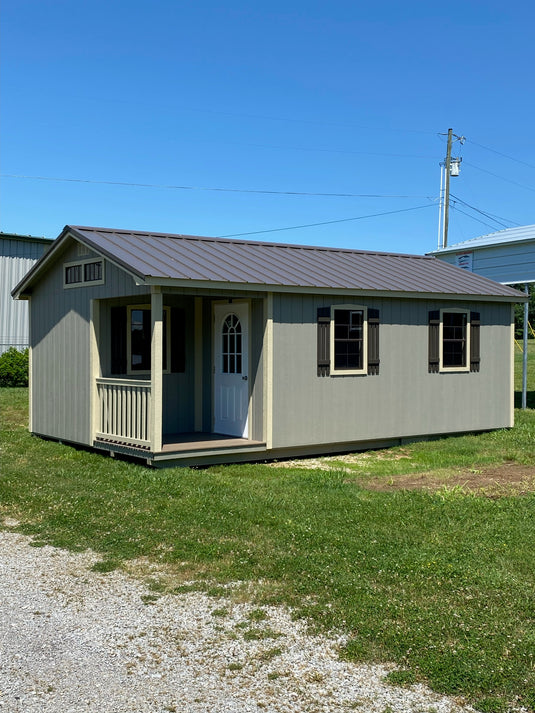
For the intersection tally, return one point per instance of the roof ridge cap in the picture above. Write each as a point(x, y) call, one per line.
point(253, 243)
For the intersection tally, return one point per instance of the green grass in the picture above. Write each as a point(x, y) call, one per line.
point(442, 583)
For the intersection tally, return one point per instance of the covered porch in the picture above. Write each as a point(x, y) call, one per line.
point(137, 414)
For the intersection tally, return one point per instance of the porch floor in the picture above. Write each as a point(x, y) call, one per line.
point(180, 442)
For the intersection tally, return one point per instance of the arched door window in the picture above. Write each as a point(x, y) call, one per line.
point(232, 345)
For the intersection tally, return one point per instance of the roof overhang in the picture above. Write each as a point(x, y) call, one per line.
point(23, 290)
point(234, 287)
point(467, 248)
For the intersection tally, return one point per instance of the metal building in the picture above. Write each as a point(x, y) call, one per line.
point(507, 256)
point(18, 253)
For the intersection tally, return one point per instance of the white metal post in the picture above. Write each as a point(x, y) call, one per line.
point(440, 241)
point(525, 354)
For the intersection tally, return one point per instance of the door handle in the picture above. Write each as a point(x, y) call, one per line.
point(244, 378)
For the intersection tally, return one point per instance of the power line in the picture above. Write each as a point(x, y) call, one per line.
point(327, 222)
point(515, 183)
point(98, 99)
point(499, 153)
point(335, 151)
point(496, 218)
point(205, 188)
point(492, 227)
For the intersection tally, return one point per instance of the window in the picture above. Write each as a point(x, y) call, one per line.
point(79, 273)
point(93, 271)
point(232, 345)
point(130, 330)
point(139, 332)
point(73, 274)
point(453, 340)
point(348, 339)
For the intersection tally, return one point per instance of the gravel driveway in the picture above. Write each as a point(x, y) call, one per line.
point(76, 640)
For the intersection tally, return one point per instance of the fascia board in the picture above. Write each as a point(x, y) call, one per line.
point(464, 248)
point(291, 289)
point(39, 267)
point(138, 278)
point(19, 291)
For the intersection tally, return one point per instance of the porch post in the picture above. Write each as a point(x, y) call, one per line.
point(268, 375)
point(156, 376)
point(198, 365)
point(30, 376)
point(94, 368)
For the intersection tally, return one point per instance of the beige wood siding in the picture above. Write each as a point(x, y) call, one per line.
point(60, 342)
point(404, 400)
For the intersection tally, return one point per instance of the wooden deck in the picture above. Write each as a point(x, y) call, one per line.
point(190, 449)
point(182, 442)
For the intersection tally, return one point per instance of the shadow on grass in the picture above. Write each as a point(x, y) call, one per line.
point(530, 399)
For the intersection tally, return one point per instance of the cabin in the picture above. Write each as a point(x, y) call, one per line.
point(186, 350)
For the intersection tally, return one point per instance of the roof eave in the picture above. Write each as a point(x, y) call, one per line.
point(308, 289)
point(466, 247)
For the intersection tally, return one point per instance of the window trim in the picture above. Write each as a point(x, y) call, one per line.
point(167, 318)
point(467, 358)
point(83, 282)
point(348, 372)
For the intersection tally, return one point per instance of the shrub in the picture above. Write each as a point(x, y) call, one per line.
point(14, 367)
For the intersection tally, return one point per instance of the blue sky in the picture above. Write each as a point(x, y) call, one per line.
point(282, 97)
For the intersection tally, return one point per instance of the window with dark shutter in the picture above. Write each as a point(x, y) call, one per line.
point(118, 340)
point(139, 338)
point(434, 342)
point(475, 323)
point(324, 341)
point(454, 340)
point(373, 342)
point(348, 339)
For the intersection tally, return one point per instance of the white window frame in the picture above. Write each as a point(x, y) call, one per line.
point(347, 372)
point(83, 282)
point(167, 318)
point(456, 310)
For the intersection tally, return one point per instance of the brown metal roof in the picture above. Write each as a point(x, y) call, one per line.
point(186, 259)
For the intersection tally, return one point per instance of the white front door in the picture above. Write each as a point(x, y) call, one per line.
point(231, 369)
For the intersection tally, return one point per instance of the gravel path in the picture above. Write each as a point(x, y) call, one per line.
point(76, 640)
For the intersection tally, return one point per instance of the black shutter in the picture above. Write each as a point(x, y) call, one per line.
point(373, 342)
point(178, 340)
point(475, 323)
point(118, 340)
point(324, 341)
point(434, 342)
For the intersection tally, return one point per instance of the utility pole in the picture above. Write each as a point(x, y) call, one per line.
point(450, 167)
point(447, 189)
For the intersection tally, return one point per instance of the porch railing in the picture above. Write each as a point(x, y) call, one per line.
point(124, 411)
